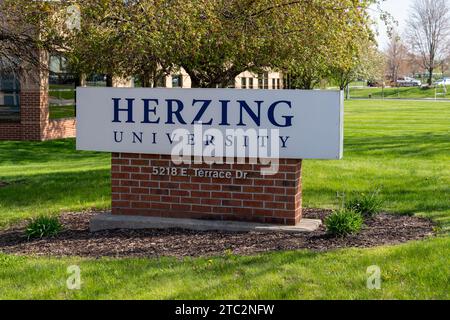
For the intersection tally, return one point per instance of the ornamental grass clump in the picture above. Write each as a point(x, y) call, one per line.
point(343, 223)
point(43, 226)
point(369, 205)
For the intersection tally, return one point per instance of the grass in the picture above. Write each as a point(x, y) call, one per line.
point(403, 147)
point(66, 95)
point(60, 112)
point(51, 177)
point(399, 93)
point(416, 270)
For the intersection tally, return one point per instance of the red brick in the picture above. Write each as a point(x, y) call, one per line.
point(263, 197)
point(274, 190)
point(253, 204)
point(210, 187)
point(150, 198)
point(180, 193)
point(169, 185)
point(127, 196)
point(129, 183)
point(200, 194)
point(120, 189)
point(130, 169)
point(140, 176)
point(211, 202)
point(191, 200)
point(181, 207)
point(140, 190)
point(161, 206)
point(149, 184)
point(221, 195)
point(197, 208)
point(189, 186)
point(263, 182)
point(263, 212)
point(139, 162)
point(271, 199)
point(253, 189)
point(232, 203)
point(242, 196)
point(274, 205)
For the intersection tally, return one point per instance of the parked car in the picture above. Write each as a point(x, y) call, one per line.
point(408, 82)
point(443, 82)
point(375, 84)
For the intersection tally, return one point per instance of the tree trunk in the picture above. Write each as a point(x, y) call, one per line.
point(430, 76)
point(109, 80)
point(146, 80)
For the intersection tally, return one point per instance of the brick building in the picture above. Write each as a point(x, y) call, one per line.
point(25, 109)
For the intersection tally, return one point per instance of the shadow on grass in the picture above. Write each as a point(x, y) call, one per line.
point(23, 152)
point(244, 273)
point(53, 193)
point(414, 145)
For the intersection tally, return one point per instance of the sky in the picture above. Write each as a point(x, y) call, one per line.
point(399, 9)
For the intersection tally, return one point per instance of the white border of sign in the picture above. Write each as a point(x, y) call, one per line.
point(316, 130)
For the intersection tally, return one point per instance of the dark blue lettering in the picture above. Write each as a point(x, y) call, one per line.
point(148, 110)
point(271, 115)
point(255, 117)
point(177, 112)
point(117, 109)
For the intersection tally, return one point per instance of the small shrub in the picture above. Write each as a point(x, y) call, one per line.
point(344, 222)
point(368, 205)
point(43, 226)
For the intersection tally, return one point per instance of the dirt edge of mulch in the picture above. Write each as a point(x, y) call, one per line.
point(77, 240)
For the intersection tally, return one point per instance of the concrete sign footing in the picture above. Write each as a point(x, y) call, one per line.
point(108, 221)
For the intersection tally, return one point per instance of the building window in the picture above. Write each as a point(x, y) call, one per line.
point(244, 83)
point(97, 80)
point(177, 81)
point(266, 80)
point(274, 86)
point(278, 83)
point(263, 80)
point(9, 98)
point(62, 87)
point(250, 83)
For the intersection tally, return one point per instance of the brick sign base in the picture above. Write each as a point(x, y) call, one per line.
point(140, 186)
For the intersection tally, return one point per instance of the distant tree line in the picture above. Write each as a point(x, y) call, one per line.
point(424, 46)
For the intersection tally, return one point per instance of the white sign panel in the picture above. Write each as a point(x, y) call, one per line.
point(302, 124)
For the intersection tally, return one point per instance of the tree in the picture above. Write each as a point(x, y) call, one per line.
point(396, 55)
point(121, 39)
point(329, 42)
point(217, 40)
point(428, 32)
point(213, 40)
point(368, 64)
point(20, 43)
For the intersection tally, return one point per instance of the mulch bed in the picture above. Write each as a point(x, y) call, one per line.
point(76, 240)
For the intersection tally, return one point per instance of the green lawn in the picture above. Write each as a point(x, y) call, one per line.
point(402, 147)
point(411, 271)
point(60, 112)
point(67, 95)
point(51, 177)
point(400, 93)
